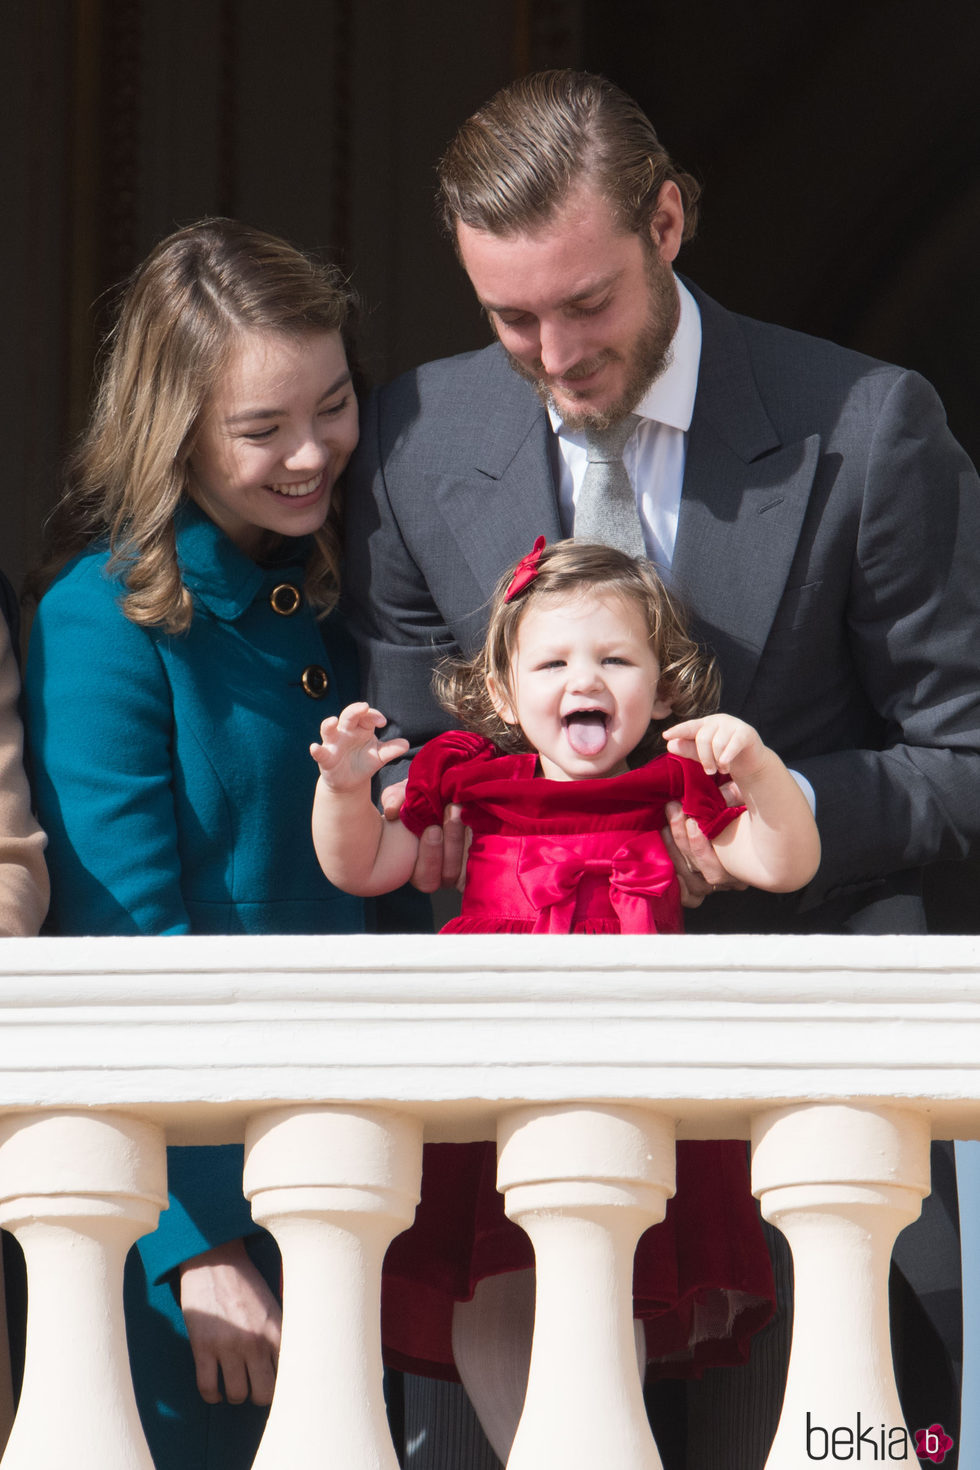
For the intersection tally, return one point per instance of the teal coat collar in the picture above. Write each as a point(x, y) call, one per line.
point(218, 575)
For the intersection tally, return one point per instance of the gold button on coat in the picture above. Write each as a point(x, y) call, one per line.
point(315, 681)
point(285, 599)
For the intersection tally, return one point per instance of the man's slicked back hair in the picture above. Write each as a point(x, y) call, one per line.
point(513, 164)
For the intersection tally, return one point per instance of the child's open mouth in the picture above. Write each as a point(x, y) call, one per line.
point(586, 730)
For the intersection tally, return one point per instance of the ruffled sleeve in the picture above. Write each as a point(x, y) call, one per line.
point(701, 799)
point(434, 777)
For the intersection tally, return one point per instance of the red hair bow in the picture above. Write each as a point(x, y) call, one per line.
point(526, 570)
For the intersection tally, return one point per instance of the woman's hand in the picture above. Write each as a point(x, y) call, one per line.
point(234, 1324)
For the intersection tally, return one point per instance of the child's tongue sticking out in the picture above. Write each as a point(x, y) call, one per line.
point(586, 731)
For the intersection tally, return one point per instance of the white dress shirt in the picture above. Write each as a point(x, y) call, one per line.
point(655, 455)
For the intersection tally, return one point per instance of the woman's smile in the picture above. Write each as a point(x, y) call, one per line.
point(296, 492)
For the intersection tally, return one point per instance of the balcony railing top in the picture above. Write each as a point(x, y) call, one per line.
point(195, 1032)
point(837, 1055)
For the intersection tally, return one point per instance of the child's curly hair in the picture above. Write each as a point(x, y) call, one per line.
point(689, 677)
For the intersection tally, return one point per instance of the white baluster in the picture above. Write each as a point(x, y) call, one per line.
point(584, 1182)
point(840, 1182)
point(77, 1189)
point(334, 1186)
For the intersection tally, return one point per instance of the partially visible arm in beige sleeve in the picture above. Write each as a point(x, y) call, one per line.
point(24, 888)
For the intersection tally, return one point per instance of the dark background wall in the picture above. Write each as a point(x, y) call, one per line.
point(839, 147)
point(838, 144)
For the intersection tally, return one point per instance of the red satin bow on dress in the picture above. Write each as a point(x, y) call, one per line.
point(550, 876)
point(526, 570)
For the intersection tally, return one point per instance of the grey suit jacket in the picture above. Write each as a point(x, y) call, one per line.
point(828, 547)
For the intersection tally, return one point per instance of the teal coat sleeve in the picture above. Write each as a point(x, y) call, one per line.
point(100, 719)
point(206, 1208)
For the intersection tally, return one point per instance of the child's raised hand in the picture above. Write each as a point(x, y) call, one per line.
point(349, 751)
point(720, 743)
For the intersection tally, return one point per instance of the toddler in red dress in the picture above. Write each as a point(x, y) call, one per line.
point(586, 672)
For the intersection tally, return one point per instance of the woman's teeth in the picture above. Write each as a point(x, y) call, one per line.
point(306, 488)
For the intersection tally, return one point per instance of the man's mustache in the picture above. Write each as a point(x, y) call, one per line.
point(580, 370)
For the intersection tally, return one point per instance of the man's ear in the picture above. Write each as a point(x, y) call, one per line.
point(667, 222)
point(501, 701)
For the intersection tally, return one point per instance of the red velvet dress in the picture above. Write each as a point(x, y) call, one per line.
point(580, 857)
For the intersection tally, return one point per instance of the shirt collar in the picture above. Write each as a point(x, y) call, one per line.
point(670, 399)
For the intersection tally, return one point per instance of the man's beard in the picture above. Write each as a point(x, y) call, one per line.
point(648, 356)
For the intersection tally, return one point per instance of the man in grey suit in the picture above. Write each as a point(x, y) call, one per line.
point(808, 503)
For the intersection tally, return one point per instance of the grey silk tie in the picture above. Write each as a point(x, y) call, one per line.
point(606, 506)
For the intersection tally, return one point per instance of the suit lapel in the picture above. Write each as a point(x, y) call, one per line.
point(506, 490)
point(744, 499)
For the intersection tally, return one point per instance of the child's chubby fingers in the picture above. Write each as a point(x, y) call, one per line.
point(708, 742)
point(739, 747)
point(683, 730)
point(323, 756)
point(714, 741)
point(684, 748)
point(731, 744)
point(692, 740)
point(330, 749)
point(390, 750)
point(679, 738)
point(341, 735)
point(728, 737)
point(324, 750)
point(360, 716)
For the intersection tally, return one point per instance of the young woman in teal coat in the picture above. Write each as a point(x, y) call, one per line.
point(185, 641)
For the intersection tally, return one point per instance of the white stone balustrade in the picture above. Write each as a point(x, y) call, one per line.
point(334, 1186)
point(331, 1057)
point(77, 1189)
point(584, 1182)
point(840, 1182)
